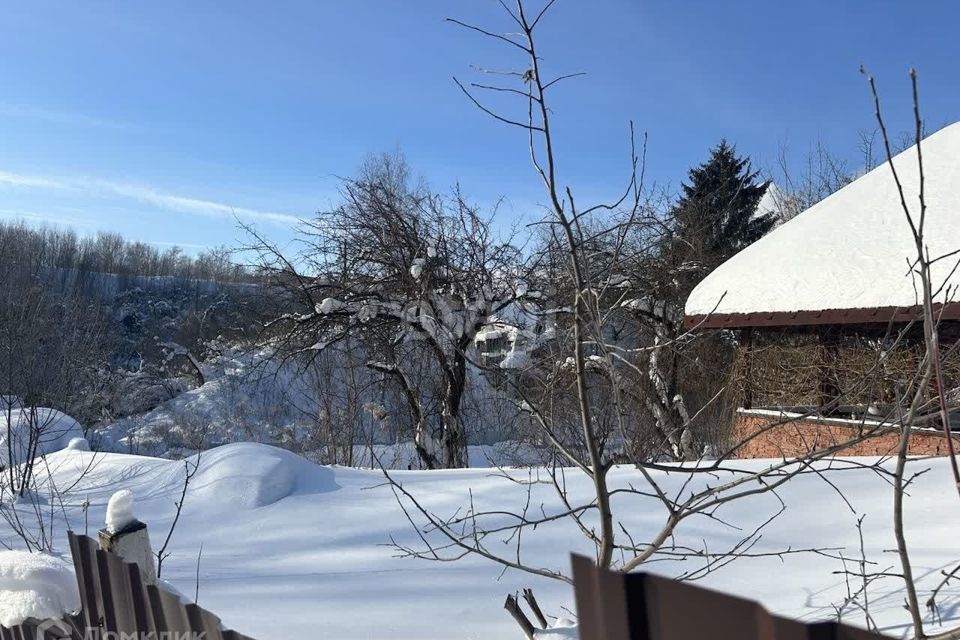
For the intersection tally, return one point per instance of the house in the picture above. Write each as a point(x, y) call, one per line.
point(818, 302)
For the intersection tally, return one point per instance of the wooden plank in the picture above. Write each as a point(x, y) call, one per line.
point(106, 593)
point(27, 630)
point(156, 608)
point(617, 606)
point(114, 598)
point(121, 617)
point(84, 564)
point(173, 616)
point(142, 611)
point(202, 621)
point(602, 602)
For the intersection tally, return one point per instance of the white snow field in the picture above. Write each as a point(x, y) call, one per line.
point(292, 549)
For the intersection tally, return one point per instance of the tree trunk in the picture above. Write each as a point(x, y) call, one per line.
point(421, 438)
point(666, 403)
point(454, 437)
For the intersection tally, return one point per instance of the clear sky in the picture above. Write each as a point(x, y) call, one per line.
point(164, 120)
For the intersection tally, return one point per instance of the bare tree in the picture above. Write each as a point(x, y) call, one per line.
point(413, 274)
point(576, 386)
point(917, 395)
point(189, 471)
point(820, 174)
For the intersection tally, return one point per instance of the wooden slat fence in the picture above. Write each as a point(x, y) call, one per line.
point(115, 603)
point(640, 606)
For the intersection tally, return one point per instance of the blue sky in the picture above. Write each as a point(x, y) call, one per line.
point(164, 120)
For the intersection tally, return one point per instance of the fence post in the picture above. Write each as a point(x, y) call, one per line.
point(132, 543)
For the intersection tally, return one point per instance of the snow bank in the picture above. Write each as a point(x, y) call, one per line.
point(403, 455)
point(329, 305)
point(35, 585)
point(54, 431)
point(773, 202)
point(416, 269)
point(248, 476)
point(78, 444)
point(245, 398)
point(562, 629)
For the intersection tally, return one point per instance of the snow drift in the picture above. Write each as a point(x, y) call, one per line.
point(248, 476)
point(51, 429)
point(35, 585)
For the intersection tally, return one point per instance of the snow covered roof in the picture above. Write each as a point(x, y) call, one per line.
point(845, 259)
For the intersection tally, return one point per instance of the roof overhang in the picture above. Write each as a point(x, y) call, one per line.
point(878, 316)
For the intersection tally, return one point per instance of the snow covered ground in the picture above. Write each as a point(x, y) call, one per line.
point(289, 546)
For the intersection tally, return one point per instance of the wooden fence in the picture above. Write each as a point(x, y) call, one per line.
point(617, 606)
point(115, 603)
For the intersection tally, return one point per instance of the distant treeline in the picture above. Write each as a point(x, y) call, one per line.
point(49, 249)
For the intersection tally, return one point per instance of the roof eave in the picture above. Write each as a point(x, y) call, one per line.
point(771, 319)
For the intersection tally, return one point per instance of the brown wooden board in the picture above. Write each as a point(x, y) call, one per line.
point(641, 606)
point(878, 315)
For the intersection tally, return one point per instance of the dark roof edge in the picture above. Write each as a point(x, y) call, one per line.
point(878, 315)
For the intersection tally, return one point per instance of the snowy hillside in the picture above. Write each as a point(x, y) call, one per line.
point(289, 546)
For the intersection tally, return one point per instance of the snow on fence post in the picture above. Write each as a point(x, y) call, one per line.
point(126, 536)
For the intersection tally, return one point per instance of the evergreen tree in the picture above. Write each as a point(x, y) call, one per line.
point(716, 216)
point(714, 219)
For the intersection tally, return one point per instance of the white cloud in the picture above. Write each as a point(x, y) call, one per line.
point(20, 180)
point(54, 116)
point(145, 195)
point(182, 245)
point(37, 217)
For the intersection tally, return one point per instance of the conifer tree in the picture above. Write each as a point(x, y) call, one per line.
point(717, 214)
point(715, 218)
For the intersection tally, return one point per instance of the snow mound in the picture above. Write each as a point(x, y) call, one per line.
point(53, 431)
point(78, 444)
point(120, 511)
point(35, 585)
point(561, 629)
point(250, 475)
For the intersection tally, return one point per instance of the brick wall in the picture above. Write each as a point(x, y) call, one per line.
point(802, 435)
